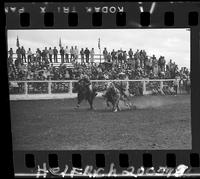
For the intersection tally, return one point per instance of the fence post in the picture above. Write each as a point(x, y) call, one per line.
point(161, 85)
point(127, 86)
point(26, 88)
point(144, 87)
point(49, 87)
point(178, 86)
point(70, 87)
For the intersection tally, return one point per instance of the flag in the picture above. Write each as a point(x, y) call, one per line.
point(17, 43)
point(99, 43)
point(60, 44)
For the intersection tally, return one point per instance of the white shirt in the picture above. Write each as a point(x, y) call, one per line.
point(67, 51)
point(51, 51)
point(76, 51)
point(29, 52)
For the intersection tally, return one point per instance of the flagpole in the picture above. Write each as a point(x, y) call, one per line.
point(100, 54)
point(17, 43)
point(99, 45)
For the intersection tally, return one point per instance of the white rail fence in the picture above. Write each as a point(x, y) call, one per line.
point(58, 89)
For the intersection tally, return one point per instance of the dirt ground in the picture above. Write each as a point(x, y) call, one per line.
point(158, 122)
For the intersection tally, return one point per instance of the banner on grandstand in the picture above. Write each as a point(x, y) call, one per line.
point(17, 43)
point(99, 44)
point(60, 43)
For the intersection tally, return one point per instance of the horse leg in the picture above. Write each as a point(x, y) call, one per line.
point(78, 104)
point(118, 108)
point(91, 103)
point(80, 99)
point(107, 103)
point(114, 107)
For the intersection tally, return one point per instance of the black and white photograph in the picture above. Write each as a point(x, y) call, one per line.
point(100, 89)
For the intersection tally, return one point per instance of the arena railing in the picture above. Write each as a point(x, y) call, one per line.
point(50, 89)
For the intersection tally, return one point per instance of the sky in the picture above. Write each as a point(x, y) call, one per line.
point(171, 43)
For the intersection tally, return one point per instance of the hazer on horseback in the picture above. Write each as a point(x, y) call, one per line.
point(85, 91)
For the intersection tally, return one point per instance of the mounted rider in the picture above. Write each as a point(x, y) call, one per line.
point(85, 91)
point(84, 81)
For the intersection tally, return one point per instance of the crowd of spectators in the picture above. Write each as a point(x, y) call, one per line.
point(135, 65)
point(49, 64)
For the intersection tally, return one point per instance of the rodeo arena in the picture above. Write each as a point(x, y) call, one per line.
point(72, 98)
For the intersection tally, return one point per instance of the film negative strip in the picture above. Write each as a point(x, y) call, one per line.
point(134, 64)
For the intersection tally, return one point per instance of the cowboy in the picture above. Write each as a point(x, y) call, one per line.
point(85, 80)
point(85, 91)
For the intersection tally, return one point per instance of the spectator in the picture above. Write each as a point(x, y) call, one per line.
point(130, 53)
point(120, 56)
point(155, 65)
point(76, 53)
point(136, 55)
point(50, 54)
point(109, 57)
point(141, 57)
point(92, 56)
point(67, 75)
point(72, 52)
point(38, 55)
point(46, 52)
point(137, 63)
point(169, 65)
point(45, 55)
point(82, 55)
point(23, 54)
point(150, 65)
point(62, 54)
point(105, 53)
point(87, 53)
point(113, 55)
point(124, 57)
point(10, 52)
point(67, 52)
point(18, 52)
point(161, 63)
point(55, 55)
point(29, 54)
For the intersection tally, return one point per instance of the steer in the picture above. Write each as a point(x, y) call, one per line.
point(112, 95)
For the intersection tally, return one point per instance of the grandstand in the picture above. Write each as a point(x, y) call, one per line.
point(56, 80)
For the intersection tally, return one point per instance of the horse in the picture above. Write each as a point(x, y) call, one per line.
point(85, 92)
